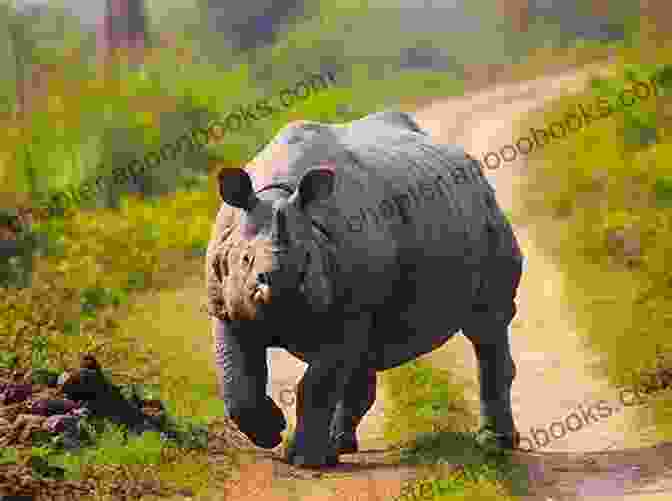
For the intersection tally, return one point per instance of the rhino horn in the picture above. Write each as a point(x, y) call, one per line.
point(235, 188)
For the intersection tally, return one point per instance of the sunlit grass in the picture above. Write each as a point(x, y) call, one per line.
point(428, 415)
point(424, 399)
point(146, 456)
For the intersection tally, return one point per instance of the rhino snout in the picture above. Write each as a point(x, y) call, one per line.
point(262, 290)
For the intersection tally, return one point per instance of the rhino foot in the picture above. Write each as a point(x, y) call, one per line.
point(488, 438)
point(306, 462)
point(345, 442)
point(310, 457)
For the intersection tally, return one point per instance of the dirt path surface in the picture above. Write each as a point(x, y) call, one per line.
point(605, 457)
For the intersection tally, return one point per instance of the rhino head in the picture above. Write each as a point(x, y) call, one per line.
point(272, 256)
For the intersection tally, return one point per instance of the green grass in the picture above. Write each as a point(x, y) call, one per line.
point(425, 399)
point(459, 465)
point(429, 416)
point(111, 449)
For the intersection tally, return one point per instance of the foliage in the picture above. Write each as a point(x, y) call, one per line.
point(610, 210)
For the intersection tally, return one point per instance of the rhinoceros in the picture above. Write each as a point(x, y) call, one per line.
point(356, 247)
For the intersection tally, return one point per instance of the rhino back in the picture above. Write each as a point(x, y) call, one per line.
point(436, 206)
point(392, 182)
point(403, 207)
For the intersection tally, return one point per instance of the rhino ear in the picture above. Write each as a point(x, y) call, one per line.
point(315, 185)
point(235, 188)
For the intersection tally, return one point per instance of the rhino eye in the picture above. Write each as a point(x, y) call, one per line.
point(246, 259)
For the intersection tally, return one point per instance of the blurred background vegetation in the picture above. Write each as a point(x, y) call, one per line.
point(71, 112)
point(113, 277)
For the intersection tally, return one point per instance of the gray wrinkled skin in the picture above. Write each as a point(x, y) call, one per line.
point(416, 249)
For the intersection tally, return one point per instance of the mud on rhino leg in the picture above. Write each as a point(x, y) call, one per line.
point(358, 398)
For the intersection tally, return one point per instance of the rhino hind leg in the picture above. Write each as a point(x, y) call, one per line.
point(359, 396)
point(496, 373)
point(488, 330)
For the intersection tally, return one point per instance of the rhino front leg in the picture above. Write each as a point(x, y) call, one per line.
point(321, 388)
point(359, 396)
point(242, 374)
